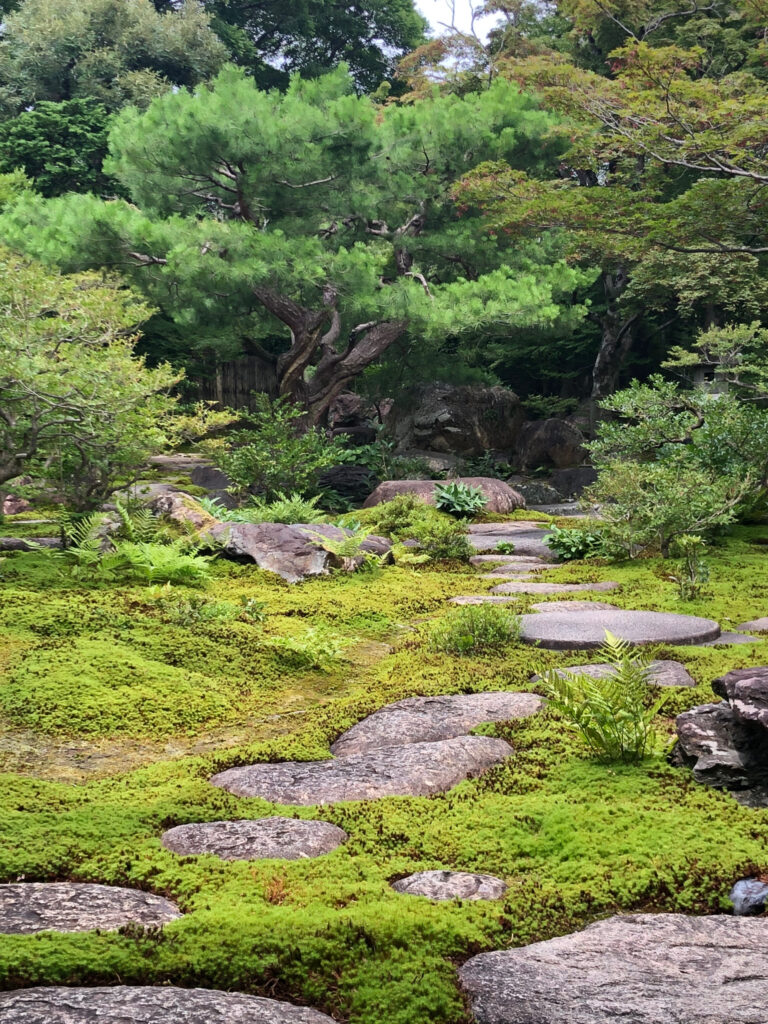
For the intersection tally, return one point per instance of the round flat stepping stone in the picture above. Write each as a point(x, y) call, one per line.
point(581, 630)
point(451, 885)
point(418, 769)
point(663, 673)
point(574, 606)
point(639, 969)
point(126, 1004)
point(482, 599)
point(755, 626)
point(552, 588)
point(29, 907)
point(427, 719)
point(727, 639)
point(276, 838)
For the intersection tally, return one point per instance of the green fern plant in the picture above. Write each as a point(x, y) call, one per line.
point(159, 563)
point(286, 508)
point(139, 525)
point(347, 551)
point(612, 712)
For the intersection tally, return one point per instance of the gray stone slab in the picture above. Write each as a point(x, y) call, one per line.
point(528, 540)
point(278, 838)
point(418, 769)
point(523, 561)
point(552, 588)
point(125, 1004)
point(637, 969)
point(755, 626)
point(574, 606)
point(534, 565)
point(731, 639)
point(583, 630)
point(663, 673)
point(509, 576)
point(427, 719)
point(483, 599)
point(29, 907)
point(451, 885)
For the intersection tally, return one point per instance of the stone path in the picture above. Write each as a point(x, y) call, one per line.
point(427, 719)
point(125, 1004)
point(638, 969)
point(417, 769)
point(30, 907)
point(663, 673)
point(528, 539)
point(278, 838)
point(582, 630)
point(726, 639)
point(451, 885)
point(483, 599)
point(574, 606)
point(552, 588)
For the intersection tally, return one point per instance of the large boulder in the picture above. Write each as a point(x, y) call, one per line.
point(293, 552)
point(550, 442)
point(354, 483)
point(501, 497)
point(638, 969)
point(571, 483)
point(12, 505)
point(182, 508)
point(350, 414)
point(462, 419)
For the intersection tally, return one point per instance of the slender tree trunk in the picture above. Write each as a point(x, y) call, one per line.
point(615, 344)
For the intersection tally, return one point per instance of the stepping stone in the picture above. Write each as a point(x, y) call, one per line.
point(482, 599)
point(726, 639)
point(521, 560)
point(451, 885)
point(30, 907)
point(639, 969)
point(128, 1004)
point(508, 576)
point(427, 719)
point(663, 673)
point(755, 626)
point(552, 588)
point(528, 540)
point(278, 838)
point(417, 769)
point(526, 567)
point(574, 606)
point(582, 630)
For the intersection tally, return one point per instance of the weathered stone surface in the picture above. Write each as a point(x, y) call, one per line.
point(182, 508)
point(574, 606)
point(501, 498)
point(464, 599)
point(755, 626)
point(12, 504)
point(125, 1004)
point(638, 969)
point(426, 719)
point(279, 838)
point(535, 492)
point(552, 588)
point(526, 567)
point(451, 885)
point(582, 630)
point(663, 673)
point(354, 483)
point(21, 544)
point(29, 907)
point(463, 419)
point(528, 540)
point(723, 750)
point(748, 897)
point(552, 442)
point(293, 552)
point(728, 639)
point(525, 562)
point(746, 690)
point(572, 482)
point(418, 769)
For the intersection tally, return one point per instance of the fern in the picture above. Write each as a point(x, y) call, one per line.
point(159, 563)
point(141, 526)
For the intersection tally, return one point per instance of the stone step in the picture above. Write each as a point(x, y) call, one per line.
point(552, 588)
point(275, 838)
point(30, 907)
point(451, 885)
point(582, 630)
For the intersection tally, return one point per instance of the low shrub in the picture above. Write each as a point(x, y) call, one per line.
point(692, 573)
point(442, 539)
point(317, 648)
point(574, 544)
point(458, 499)
point(476, 629)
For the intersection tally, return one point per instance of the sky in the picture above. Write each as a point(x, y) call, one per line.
point(438, 13)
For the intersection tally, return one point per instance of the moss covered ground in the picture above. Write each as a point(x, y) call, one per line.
point(186, 691)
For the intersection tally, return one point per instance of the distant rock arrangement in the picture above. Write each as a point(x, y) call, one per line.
point(726, 743)
point(30, 907)
point(638, 969)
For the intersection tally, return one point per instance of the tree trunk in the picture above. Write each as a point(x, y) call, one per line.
point(615, 344)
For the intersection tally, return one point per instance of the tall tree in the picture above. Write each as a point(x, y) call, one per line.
point(312, 227)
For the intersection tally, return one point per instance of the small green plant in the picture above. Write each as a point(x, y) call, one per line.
point(476, 629)
point(317, 649)
point(574, 544)
point(611, 712)
point(286, 508)
point(252, 610)
point(185, 609)
point(458, 499)
point(158, 563)
point(347, 551)
point(692, 573)
point(442, 539)
point(505, 547)
point(138, 524)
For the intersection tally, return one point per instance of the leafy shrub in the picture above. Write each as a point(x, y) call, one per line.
point(476, 629)
point(505, 547)
point(442, 539)
point(395, 518)
point(574, 544)
point(284, 508)
point(380, 458)
point(692, 572)
point(458, 499)
point(611, 711)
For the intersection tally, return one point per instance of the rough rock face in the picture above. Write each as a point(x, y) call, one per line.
point(571, 482)
point(29, 907)
point(426, 719)
point(182, 508)
point(125, 1004)
point(536, 492)
point(465, 419)
point(755, 626)
point(279, 838)
point(573, 606)
point(527, 539)
point(451, 885)
point(12, 505)
point(354, 483)
point(637, 969)
point(726, 744)
point(292, 552)
point(501, 497)
point(663, 673)
point(418, 769)
point(553, 588)
point(550, 442)
point(748, 897)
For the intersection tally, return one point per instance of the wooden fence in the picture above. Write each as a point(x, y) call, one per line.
point(234, 383)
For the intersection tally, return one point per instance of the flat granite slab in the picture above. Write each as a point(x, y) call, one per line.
point(727, 639)
point(574, 606)
point(417, 769)
point(663, 673)
point(755, 626)
point(552, 588)
point(637, 969)
point(451, 885)
point(583, 630)
point(30, 907)
point(483, 599)
point(126, 1004)
point(426, 719)
point(528, 540)
point(277, 838)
